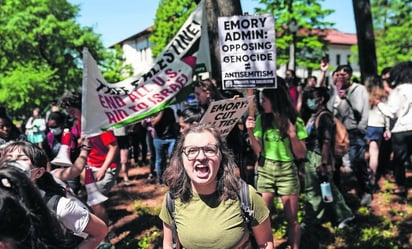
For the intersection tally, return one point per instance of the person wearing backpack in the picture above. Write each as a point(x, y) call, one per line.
point(205, 191)
point(319, 166)
point(353, 111)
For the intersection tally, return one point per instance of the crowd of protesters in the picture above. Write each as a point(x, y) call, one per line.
point(281, 140)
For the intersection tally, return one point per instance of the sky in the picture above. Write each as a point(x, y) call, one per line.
point(120, 19)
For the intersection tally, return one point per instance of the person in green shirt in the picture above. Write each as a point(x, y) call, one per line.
point(277, 135)
point(207, 212)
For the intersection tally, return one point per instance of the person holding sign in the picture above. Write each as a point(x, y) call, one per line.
point(277, 137)
point(187, 117)
point(206, 92)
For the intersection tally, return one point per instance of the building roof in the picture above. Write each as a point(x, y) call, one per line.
point(144, 32)
point(333, 36)
point(336, 37)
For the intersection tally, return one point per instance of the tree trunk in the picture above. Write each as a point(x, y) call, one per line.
point(214, 9)
point(366, 38)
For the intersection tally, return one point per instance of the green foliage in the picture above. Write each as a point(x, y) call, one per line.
point(27, 84)
point(140, 208)
point(367, 237)
point(152, 236)
point(310, 44)
point(41, 51)
point(170, 16)
point(147, 241)
point(279, 224)
point(392, 22)
point(309, 14)
point(364, 211)
point(115, 67)
point(373, 237)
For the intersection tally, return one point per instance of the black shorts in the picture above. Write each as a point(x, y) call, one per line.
point(123, 142)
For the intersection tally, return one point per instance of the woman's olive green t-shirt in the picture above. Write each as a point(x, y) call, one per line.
point(206, 222)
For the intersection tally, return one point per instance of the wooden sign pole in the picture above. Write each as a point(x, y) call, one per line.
point(252, 105)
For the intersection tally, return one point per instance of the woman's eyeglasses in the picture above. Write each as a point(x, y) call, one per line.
point(192, 152)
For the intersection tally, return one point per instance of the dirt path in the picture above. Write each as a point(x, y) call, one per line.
point(127, 223)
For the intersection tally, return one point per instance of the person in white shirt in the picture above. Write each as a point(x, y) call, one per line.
point(26, 222)
point(353, 111)
point(73, 215)
point(399, 108)
point(378, 125)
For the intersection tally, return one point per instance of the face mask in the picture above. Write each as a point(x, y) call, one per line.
point(289, 79)
point(312, 105)
point(56, 131)
point(23, 167)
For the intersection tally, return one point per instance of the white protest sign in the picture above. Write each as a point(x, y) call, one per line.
point(247, 51)
point(224, 114)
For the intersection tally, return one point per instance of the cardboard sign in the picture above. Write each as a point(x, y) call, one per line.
point(225, 114)
point(248, 52)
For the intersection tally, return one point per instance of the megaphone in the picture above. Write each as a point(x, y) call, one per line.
point(94, 197)
point(63, 156)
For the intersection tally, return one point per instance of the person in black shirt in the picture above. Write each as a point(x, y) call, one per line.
point(164, 141)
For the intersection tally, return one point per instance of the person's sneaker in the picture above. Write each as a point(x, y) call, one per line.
point(344, 223)
point(366, 200)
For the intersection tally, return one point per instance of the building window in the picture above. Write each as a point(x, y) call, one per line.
point(338, 59)
point(348, 59)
